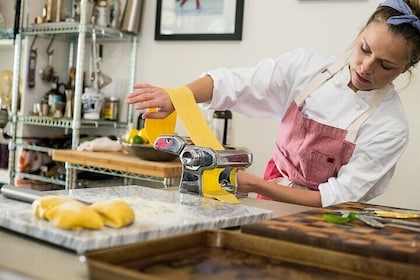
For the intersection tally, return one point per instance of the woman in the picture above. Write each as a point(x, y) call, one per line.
point(342, 129)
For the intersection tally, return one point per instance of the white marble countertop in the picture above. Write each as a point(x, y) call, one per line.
point(159, 213)
point(36, 259)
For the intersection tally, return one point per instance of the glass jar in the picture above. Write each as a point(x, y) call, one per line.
point(111, 108)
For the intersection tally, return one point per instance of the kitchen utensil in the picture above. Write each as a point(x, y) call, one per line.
point(398, 214)
point(26, 195)
point(391, 213)
point(100, 80)
point(197, 160)
point(32, 64)
point(376, 223)
point(21, 194)
point(48, 73)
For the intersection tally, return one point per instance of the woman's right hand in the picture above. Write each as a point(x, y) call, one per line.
point(146, 96)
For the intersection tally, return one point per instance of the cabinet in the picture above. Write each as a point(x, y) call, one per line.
point(74, 42)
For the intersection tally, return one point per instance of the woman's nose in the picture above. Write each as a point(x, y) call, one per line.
point(367, 65)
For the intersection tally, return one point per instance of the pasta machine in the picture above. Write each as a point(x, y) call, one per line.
point(197, 160)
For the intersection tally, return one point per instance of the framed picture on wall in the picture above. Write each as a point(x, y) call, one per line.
point(199, 19)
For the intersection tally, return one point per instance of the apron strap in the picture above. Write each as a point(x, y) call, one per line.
point(319, 79)
point(354, 127)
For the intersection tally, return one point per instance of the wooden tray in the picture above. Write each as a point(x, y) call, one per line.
point(224, 254)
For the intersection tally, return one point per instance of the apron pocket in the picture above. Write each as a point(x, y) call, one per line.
point(320, 167)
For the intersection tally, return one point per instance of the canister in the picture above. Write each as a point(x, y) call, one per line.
point(131, 18)
point(111, 108)
point(92, 103)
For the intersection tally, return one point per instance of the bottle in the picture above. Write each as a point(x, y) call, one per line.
point(114, 13)
point(103, 14)
point(69, 92)
point(111, 108)
point(71, 84)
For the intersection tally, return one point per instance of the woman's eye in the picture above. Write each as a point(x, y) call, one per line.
point(386, 67)
point(364, 49)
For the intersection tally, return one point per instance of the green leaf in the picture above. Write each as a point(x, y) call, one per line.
point(340, 219)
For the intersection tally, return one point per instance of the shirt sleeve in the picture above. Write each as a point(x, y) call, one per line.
point(266, 90)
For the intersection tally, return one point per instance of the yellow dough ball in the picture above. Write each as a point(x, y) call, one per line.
point(41, 205)
point(74, 215)
point(115, 213)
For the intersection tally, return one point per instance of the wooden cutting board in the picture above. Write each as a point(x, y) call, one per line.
point(121, 162)
point(355, 237)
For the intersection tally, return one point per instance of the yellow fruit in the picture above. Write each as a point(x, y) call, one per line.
point(130, 135)
point(136, 140)
point(143, 134)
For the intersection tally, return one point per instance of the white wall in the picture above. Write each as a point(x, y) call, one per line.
point(271, 27)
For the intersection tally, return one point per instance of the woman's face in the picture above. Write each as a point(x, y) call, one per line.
point(378, 58)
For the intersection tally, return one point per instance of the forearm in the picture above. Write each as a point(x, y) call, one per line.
point(251, 183)
point(202, 89)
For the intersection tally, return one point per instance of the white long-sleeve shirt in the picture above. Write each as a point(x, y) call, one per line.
point(266, 91)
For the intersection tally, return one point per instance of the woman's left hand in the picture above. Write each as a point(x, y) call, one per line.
point(147, 96)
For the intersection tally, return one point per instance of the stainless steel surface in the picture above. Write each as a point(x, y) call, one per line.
point(26, 195)
point(382, 222)
point(22, 194)
point(132, 16)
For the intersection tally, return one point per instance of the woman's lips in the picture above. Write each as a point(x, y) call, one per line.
point(361, 79)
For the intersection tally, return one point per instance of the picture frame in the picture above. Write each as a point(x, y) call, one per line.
point(199, 20)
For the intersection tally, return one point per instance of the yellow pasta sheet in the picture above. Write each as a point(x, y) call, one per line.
point(200, 133)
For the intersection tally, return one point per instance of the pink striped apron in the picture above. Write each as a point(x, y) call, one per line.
point(307, 152)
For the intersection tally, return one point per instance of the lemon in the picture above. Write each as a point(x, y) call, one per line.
point(136, 140)
point(130, 134)
point(143, 134)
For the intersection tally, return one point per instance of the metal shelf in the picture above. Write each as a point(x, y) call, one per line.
point(67, 123)
point(165, 182)
point(46, 121)
point(73, 29)
point(40, 178)
point(37, 148)
point(77, 34)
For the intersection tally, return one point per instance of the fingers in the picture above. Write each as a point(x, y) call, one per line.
point(155, 115)
point(141, 93)
point(146, 96)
